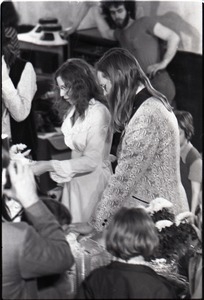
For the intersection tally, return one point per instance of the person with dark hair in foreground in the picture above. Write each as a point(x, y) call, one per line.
point(29, 251)
point(131, 238)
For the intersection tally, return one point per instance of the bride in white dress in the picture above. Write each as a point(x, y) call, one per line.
point(87, 132)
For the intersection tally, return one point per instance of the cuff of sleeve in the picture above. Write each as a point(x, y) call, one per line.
point(98, 226)
point(59, 179)
point(62, 171)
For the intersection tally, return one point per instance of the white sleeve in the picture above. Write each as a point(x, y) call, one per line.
point(18, 101)
point(93, 153)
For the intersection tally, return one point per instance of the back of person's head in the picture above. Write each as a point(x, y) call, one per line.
point(185, 122)
point(132, 233)
point(126, 75)
point(60, 212)
point(9, 15)
point(130, 7)
point(79, 78)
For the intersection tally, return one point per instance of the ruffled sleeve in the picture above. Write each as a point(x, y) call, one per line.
point(92, 155)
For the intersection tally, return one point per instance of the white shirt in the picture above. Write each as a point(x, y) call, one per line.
point(17, 101)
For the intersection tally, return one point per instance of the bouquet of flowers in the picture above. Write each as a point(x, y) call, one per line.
point(178, 241)
point(176, 233)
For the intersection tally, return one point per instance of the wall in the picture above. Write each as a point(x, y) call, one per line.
point(185, 17)
point(65, 11)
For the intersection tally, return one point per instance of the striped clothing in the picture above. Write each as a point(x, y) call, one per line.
point(11, 33)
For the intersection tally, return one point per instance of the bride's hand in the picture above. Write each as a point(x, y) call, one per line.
point(41, 167)
point(82, 228)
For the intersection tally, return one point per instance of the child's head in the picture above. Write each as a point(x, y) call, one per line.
point(185, 122)
point(131, 233)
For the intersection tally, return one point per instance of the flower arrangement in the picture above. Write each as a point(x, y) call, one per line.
point(157, 205)
point(185, 217)
point(176, 233)
point(163, 224)
point(160, 209)
point(178, 241)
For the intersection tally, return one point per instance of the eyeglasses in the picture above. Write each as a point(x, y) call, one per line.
point(104, 87)
point(64, 88)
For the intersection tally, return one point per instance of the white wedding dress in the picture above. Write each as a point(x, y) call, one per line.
point(86, 174)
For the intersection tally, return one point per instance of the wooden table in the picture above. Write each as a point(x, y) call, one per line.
point(62, 51)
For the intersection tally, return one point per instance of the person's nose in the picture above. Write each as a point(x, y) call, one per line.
point(117, 15)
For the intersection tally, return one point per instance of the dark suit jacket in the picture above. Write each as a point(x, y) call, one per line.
point(30, 252)
point(125, 281)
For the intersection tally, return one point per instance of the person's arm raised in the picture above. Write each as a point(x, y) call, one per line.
point(43, 248)
point(103, 28)
point(82, 12)
point(23, 183)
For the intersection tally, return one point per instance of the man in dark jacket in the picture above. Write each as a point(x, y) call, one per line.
point(30, 251)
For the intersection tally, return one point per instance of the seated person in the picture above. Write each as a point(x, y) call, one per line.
point(29, 251)
point(190, 160)
point(131, 238)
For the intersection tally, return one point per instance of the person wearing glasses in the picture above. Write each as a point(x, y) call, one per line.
point(149, 150)
point(88, 133)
